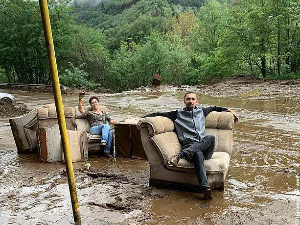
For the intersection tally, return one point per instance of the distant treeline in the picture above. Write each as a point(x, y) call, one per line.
point(121, 44)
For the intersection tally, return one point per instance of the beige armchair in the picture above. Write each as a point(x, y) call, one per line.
point(160, 143)
point(39, 131)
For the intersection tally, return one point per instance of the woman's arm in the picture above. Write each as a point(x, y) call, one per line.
point(110, 120)
point(81, 95)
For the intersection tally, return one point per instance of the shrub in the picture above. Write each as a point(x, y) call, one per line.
point(75, 77)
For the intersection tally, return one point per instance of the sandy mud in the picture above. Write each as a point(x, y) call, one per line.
point(262, 186)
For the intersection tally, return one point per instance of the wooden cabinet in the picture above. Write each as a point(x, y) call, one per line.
point(128, 141)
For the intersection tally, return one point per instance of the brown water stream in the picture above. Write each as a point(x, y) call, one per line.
point(262, 185)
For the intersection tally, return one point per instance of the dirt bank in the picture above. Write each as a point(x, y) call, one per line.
point(8, 110)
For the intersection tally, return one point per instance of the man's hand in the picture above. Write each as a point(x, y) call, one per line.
point(140, 122)
point(236, 117)
point(81, 95)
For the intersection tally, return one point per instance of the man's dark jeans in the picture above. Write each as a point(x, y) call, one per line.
point(197, 152)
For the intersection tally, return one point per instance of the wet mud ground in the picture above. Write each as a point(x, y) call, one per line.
point(262, 186)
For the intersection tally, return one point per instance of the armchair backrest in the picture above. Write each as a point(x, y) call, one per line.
point(158, 132)
point(220, 124)
point(47, 117)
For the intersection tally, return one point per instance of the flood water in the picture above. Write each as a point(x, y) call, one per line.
point(264, 170)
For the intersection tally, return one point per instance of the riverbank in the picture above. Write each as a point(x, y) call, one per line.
point(262, 186)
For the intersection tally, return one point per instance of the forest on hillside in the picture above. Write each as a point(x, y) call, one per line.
point(121, 44)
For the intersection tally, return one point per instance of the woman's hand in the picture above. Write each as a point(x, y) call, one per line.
point(81, 95)
point(81, 110)
point(114, 122)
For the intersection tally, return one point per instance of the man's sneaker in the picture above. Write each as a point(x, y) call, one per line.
point(103, 142)
point(207, 193)
point(174, 161)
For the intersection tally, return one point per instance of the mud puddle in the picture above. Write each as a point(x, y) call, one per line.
point(262, 186)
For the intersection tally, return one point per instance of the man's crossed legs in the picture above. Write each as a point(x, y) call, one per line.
point(197, 152)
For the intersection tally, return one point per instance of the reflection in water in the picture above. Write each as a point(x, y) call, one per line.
point(263, 167)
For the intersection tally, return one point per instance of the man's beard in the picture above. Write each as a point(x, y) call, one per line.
point(190, 106)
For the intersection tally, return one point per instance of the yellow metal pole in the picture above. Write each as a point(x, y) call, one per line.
point(59, 108)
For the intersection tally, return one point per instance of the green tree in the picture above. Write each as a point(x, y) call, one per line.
point(22, 45)
point(134, 65)
point(208, 29)
point(75, 77)
point(90, 53)
point(207, 43)
point(170, 58)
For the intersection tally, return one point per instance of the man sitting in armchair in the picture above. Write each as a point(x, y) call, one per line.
point(190, 128)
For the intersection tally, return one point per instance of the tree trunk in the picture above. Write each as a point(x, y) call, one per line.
point(278, 46)
point(8, 75)
point(263, 59)
point(288, 41)
point(251, 66)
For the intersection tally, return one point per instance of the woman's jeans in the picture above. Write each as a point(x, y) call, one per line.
point(104, 130)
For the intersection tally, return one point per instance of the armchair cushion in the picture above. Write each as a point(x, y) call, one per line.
point(224, 139)
point(218, 162)
point(94, 138)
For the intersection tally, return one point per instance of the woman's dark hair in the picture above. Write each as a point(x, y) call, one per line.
point(91, 99)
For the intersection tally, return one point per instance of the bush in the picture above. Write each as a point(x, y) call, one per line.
point(76, 77)
point(134, 65)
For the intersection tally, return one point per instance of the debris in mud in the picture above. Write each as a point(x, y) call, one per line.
point(119, 206)
point(63, 173)
point(287, 170)
point(116, 206)
point(156, 80)
point(97, 175)
point(9, 111)
point(103, 90)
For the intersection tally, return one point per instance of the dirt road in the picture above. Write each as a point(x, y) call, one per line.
point(262, 186)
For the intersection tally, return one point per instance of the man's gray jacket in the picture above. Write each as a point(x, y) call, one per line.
point(189, 124)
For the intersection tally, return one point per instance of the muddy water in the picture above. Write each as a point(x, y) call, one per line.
point(262, 185)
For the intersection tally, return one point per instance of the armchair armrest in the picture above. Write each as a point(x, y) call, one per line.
point(219, 120)
point(159, 140)
point(157, 125)
point(24, 131)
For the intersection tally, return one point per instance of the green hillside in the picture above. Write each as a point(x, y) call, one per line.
point(121, 44)
point(121, 19)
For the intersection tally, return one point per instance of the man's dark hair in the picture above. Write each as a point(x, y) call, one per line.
point(189, 92)
point(91, 99)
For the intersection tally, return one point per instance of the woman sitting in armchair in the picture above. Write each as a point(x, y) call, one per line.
point(98, 121)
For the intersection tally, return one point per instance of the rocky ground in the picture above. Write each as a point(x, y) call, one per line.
point(8, 110)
